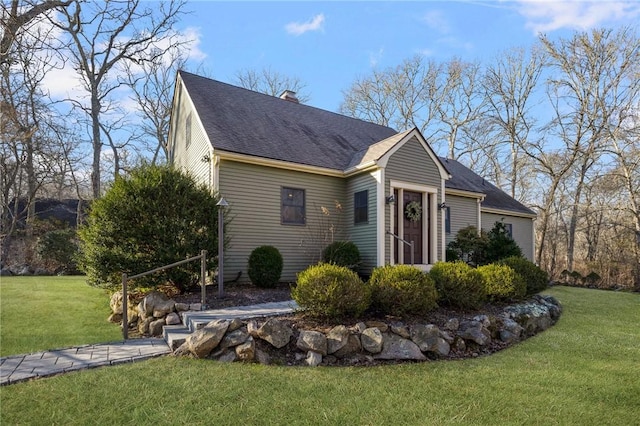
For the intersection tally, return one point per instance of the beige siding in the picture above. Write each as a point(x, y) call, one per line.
point(253, 193)
point(522, 230)
point(464, 212)
point(189, 158)
point(364, 235)
point(412, 164)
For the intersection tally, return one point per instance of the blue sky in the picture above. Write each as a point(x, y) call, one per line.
point(328, 44)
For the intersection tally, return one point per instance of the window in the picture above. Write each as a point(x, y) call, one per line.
point(293, 206)
point(447, 220)
point(187, 130)
point(361, 207)
point(508, 227)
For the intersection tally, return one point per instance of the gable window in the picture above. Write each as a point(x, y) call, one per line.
point(447, 220)
point(293, 206)
point(187, 130)
point(361, 207)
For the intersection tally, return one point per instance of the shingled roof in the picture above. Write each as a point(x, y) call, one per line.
point(462, 178)
point(246, 122)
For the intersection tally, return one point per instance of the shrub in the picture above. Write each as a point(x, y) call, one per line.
point(469, 246)
point(133, 229)
point(458, 284)
point(402, 290)
point(501, 282)
point(535, 278)
point(265, 266)
point(333, 291)
point(500, 245)
point(58, 249)
point(342, 253)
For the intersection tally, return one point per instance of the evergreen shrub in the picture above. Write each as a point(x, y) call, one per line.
point(535, 278)
point(458, 285)
point(402, 290)
point(265, 266)
point(342, 253)
point(332, 291)
point(502, 283)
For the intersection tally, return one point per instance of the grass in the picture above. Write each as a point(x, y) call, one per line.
point(584, 370)
point(38, 313)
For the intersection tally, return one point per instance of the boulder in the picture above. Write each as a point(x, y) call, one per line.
point(173, 319)
point(262, 357)
point(195, 307)
point(224, 355)
point(313, 359)
point(203, 341)
point(143, 325)
point(401, 330)
point(275, 332)
point(398, 348)
point(452, 324)
point(475, 332)
point(235, 324)
point(155, 327)
point(151, 300)
point(353, 346)
point(371, 339)
point(360, 327)
point(337, 338)
point(428, 338)
point(252, 328)
point(182, 307)
point(382, 326)
point(234, 338)
point(312, 341)
point(246, 351)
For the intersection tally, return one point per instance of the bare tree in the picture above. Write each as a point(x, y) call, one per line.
point(106, 35)
point(271, 82)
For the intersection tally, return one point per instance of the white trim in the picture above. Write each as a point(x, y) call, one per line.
point(462, 193)
point(412, 186)
point(479, 224)
point(215, 171)
point(443, 237)
point(382, 161)
point(278, 164)
point(378, 175)
point(508, 213)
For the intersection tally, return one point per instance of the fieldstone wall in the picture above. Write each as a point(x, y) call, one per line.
point(278, 341)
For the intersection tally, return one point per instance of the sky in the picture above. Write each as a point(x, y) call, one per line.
point(327, 45)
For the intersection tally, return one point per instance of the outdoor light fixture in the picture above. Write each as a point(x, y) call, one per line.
point(442, 206)
point(222, 204)
point(390, 199)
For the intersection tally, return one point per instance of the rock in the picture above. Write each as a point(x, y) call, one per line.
point(224, 355)
point(360, 327)
point(512, 327)
point(262, 357)
point(533, 317)
point(507, 336)
point(459, 344)
point(182, 350)
point(337, 338)
point(424, 335)
point(173, 319)
point(143, 325)
point(313, 358)
point(475, 332)
point(371, 339)
point(5, 272)
point(195, 307)
point(352, 347)
point(182, 307)
point(152, 300)
point(452, 324)
point(247, 350)
point(235, 324)
point(483, 319)
point(252, 328)
point(312, 341)
point(382, 326)
point(447, 336)
point(401, 330)
point(155, 327)
point(329, 359)
point(275, 332)
point(203, 341)
point(115, 303)
point(115, 318)
point(235, 338)
point(397, 348)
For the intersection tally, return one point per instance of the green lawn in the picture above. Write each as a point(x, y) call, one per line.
point(585, 370)
point(38, 313)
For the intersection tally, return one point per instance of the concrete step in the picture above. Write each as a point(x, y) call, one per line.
point(175, 335)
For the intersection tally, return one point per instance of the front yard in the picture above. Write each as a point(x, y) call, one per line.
point(584, 370)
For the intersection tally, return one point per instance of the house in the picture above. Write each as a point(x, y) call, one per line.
point(298, 177)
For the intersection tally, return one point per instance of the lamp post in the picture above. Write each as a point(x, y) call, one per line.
point(222, 204)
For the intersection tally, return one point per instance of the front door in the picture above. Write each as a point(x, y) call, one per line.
point(411, 227)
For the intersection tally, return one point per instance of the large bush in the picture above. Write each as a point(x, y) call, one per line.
point(153, 217)
point(332, 291)
point(469, 245)
point(536, 279)
point(342, 253)
point(57, 249)
point(402, 290)
point(502, 283)
point(265, 266)
point(500, 244)
point(458, 284)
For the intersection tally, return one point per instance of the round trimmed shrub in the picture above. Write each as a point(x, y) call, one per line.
point(327, 290)
point(535, 278)
point(458, 284)
point(501, 282)
point(342, 253)
point(402, 290)
point(265, 266)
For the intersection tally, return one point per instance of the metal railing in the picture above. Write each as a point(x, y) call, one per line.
point(402, 240)
point(203, 274)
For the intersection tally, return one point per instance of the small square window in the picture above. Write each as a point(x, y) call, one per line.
point(361, 207)
point(292, 206)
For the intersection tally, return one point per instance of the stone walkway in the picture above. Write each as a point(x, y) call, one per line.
point(18, 368)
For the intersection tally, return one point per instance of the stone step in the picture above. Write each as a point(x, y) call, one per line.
point(175, 335)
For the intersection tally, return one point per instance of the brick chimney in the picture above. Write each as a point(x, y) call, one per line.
point(289, 95)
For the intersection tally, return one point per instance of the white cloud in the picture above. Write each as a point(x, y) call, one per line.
point(436, 21)
point(546, 16)
point(375, 57)
point(314, 24)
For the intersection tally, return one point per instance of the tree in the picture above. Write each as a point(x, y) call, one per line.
point(106, 35)
point(131, 229)
point(271, 82)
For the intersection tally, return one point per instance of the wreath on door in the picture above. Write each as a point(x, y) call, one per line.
point(413, 211)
